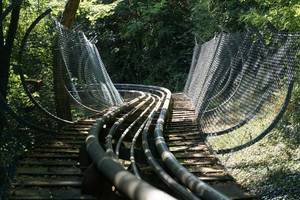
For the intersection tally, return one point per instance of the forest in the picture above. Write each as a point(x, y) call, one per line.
point(143, 42)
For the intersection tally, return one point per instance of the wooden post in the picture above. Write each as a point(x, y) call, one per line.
point(62, 101)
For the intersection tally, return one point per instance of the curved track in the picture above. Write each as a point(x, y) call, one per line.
point(149, 148)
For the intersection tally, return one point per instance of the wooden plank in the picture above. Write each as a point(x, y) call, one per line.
point(176, 128)
point(49, 171)
point(187, 143)
point(57, 150)
point(57, 163)
point(192, 155)
point(72, 132)
point(62, 145)
point(215, 178)
point(191, 149)
point(67, 142)
point(187, 133)
point(202, 162)
point(45, 194)
point(49, 183)
point(184, 138)
point(76, 129)
point(181, 132)
point(72, 137)
point(53, 155)
point(182, 119)
point(207, 170)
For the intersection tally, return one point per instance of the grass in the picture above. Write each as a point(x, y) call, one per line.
point(270, 168)
point(251, 129)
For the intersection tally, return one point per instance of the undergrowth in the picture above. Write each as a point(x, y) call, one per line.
point(270, 168)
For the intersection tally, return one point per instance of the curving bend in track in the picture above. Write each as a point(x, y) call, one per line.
point(148, 148)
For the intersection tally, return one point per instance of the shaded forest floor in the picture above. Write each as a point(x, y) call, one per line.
point(269, 169)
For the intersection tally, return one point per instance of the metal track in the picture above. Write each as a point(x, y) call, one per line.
point(136, 148)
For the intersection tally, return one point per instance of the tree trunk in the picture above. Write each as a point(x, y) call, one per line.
point(4, 74)
point(62, 101)
point(6, 47)
point(63, 108)
point(70, 12)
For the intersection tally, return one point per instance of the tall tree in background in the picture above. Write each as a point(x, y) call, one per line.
point(6, 45)
point(63, 109)
point(152, 40)
point(283, 15)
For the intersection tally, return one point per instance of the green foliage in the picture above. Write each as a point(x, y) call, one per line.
point(36, 62)
point(147, 42)
point(17, 96)
point(288, 129)
point(270, 168)
point(37, 57)
point(284, 15)
point(204, 24)
point(92, 10)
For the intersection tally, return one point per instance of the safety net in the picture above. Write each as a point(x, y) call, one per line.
point(238, 81)
point(86, 77)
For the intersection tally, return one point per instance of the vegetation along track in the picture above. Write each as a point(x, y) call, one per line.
point(148, 148)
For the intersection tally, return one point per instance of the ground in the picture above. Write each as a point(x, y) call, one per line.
point(270, 168)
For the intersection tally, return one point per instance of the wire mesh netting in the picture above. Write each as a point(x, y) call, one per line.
point(87, 78)
point(87, 82)
point(28, 117)
point(238, 81)
point(34, 65)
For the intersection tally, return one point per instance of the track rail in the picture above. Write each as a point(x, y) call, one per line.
point(148, 148)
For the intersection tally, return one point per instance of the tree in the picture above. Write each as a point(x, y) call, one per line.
point(63, 109)
point(284, 15)
point(6, 45)
point(152, 40)
point(70, 12)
